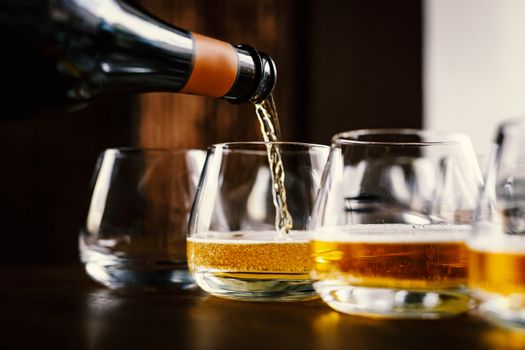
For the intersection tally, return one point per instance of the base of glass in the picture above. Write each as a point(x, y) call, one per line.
point(506, 311)
point(256, 286)
point(393, 303)
point(135, 274)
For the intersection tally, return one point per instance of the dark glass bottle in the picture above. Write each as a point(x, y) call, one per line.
point(60, 54)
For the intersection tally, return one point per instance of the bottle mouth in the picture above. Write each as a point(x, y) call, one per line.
point(267, 78)
point(256, 80)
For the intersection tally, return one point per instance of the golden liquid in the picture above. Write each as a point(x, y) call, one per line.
point(249, 256)
point(417, 265)
point(497, 272)
point(269, 123)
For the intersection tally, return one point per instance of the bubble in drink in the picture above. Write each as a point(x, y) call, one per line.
point(250, 252)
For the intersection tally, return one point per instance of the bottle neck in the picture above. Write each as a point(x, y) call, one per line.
point(143, 54)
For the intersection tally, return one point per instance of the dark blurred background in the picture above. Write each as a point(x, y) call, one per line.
point(342, 65)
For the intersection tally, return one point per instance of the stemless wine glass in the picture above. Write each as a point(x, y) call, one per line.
point(135, 232)
point(234, 249)
point(497, 246)
point(389, 224)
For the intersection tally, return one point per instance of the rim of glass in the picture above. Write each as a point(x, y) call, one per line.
point(443, 137)
point(138, 150)
point(518, 123)
point(244, 145)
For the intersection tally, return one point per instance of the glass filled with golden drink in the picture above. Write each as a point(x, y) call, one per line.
point(389, 225)
point(248, 236)
point(497, 245)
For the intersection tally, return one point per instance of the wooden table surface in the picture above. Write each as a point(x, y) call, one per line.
point(58, 307)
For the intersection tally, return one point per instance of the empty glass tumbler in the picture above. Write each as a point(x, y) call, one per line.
point(135, 231)
point(389, 224)
point(247, 230)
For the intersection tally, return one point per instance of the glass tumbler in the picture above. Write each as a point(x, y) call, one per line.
point(497, 245)
point(235, 249)
point(135, 231)
point(389, 224)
